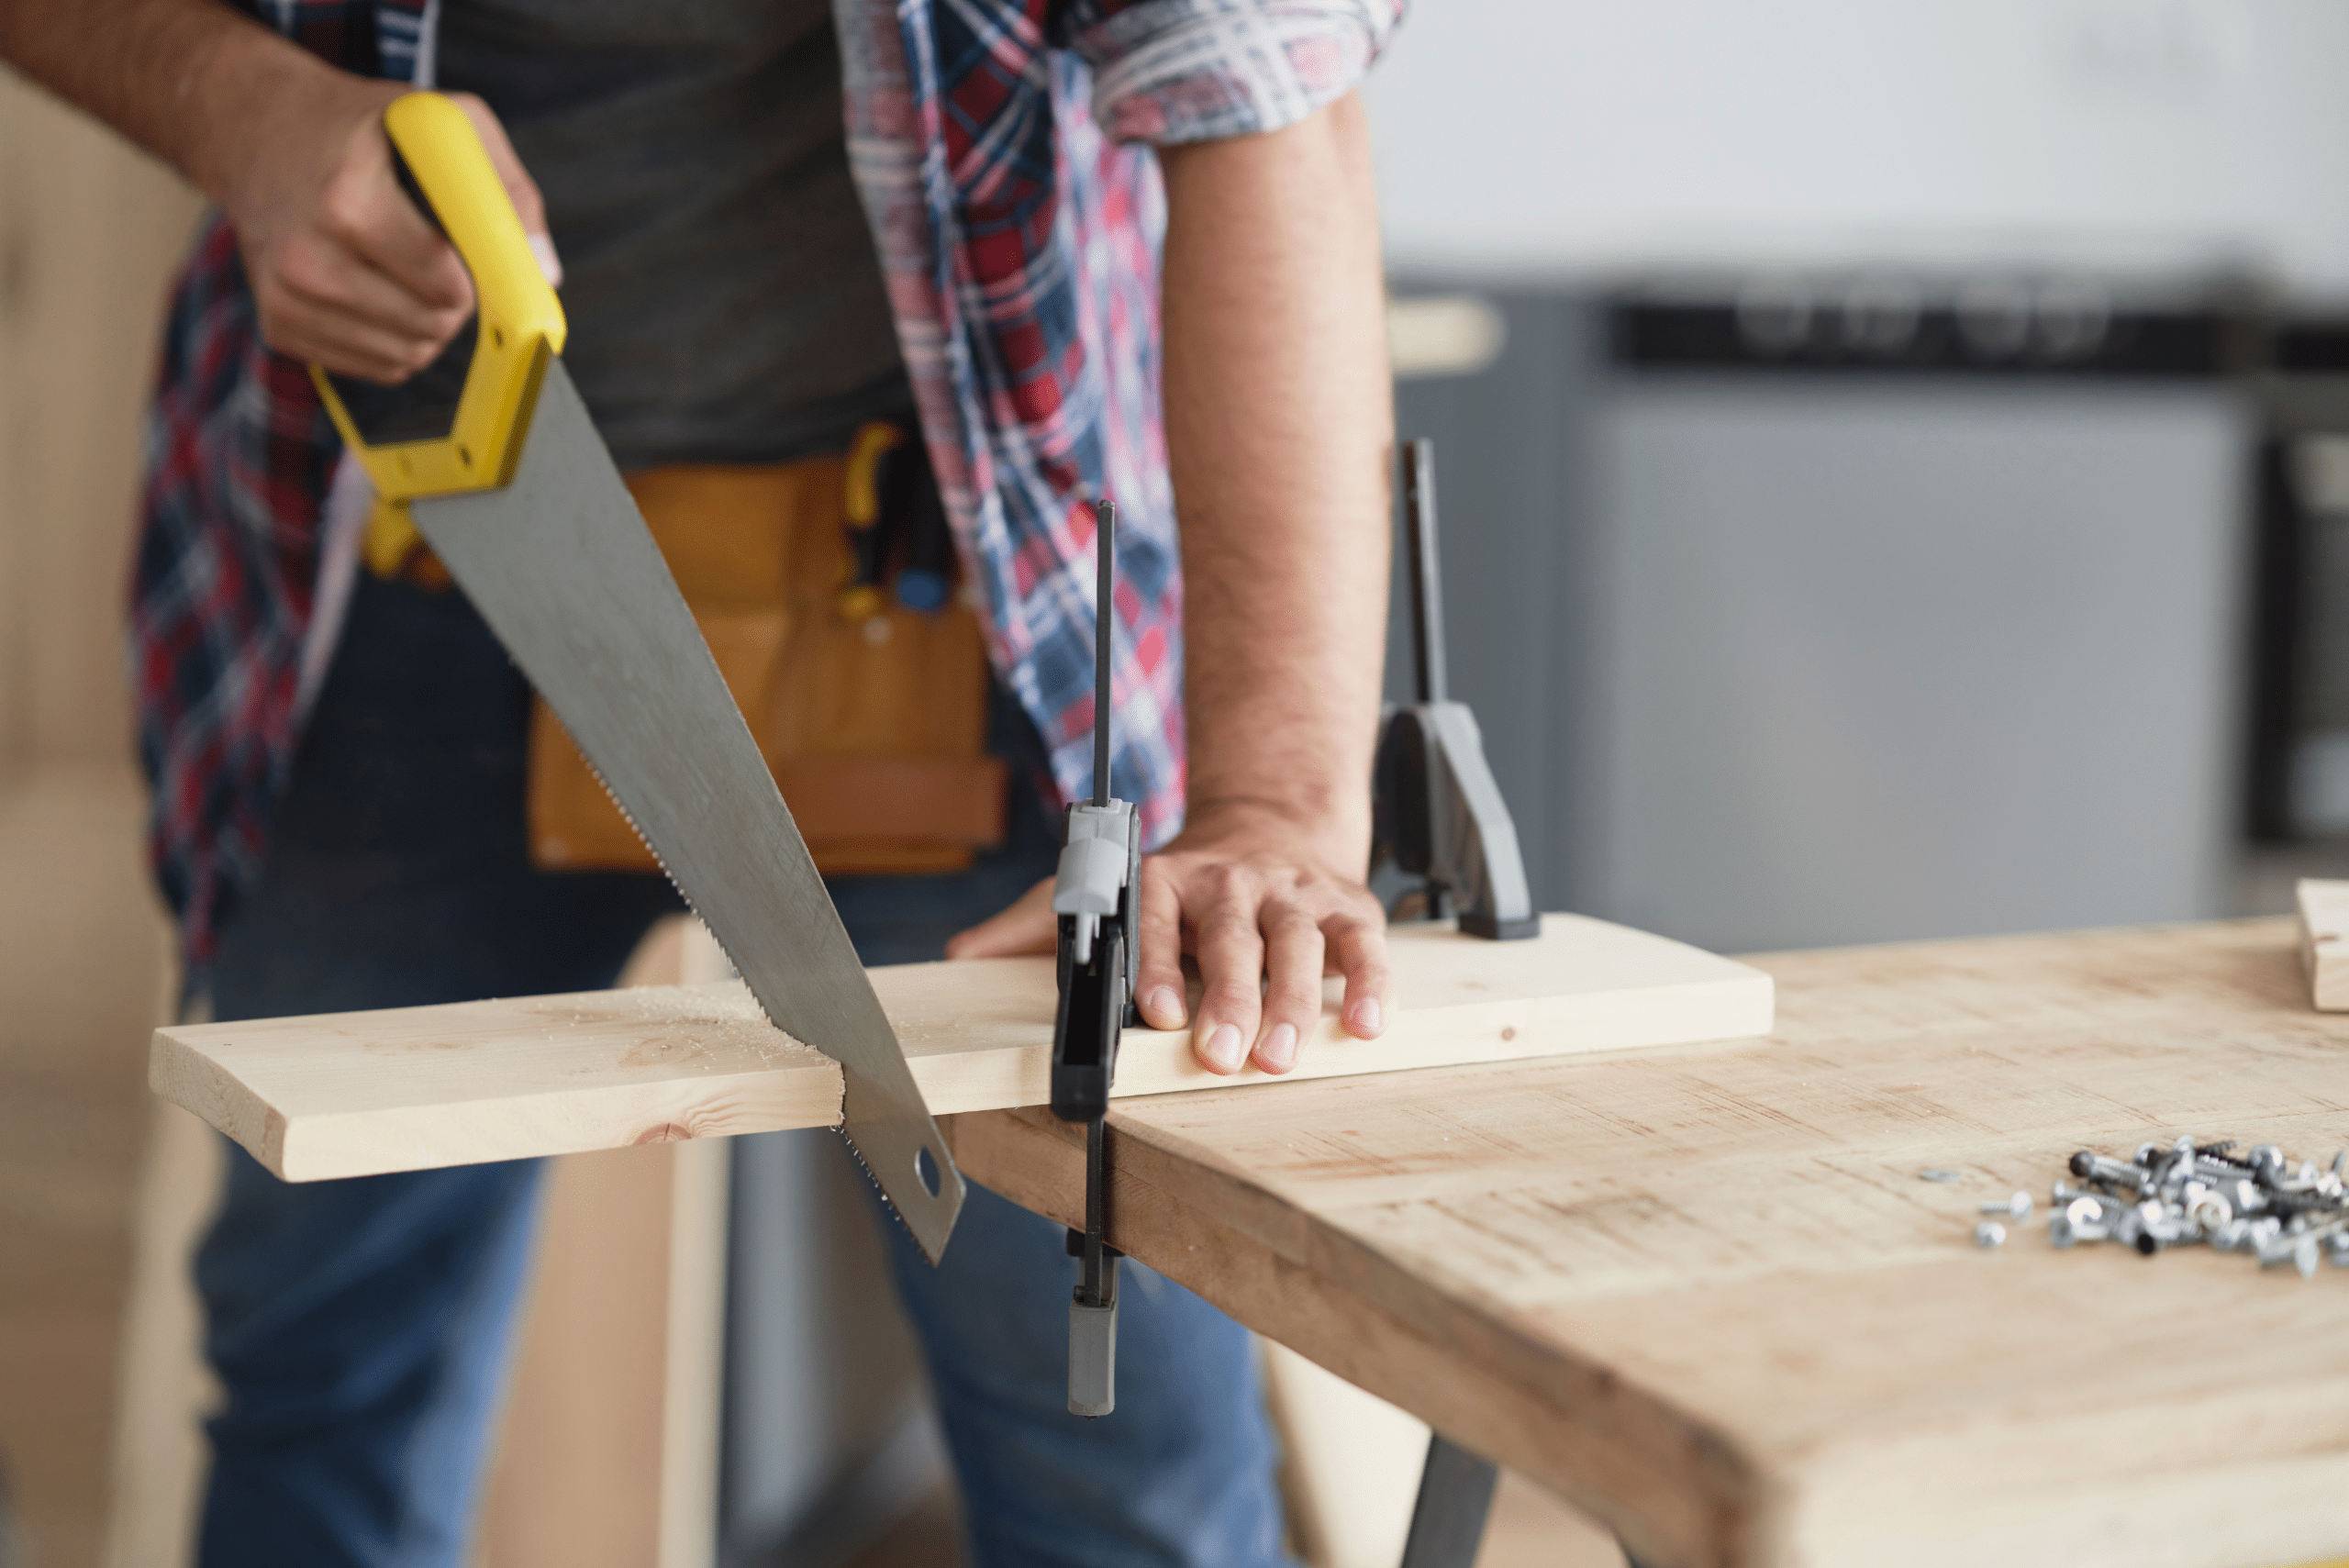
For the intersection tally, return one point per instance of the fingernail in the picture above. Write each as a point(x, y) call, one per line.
point(1224, 1049)
point(1366, 1016)
point(1280, 1049)
point(1165, 1008)
point(542, 252)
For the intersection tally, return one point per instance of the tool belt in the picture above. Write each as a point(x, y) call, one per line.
point(825, 590)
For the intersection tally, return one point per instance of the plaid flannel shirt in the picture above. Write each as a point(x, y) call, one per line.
point(999, 148)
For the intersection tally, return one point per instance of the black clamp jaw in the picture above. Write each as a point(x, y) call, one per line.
point(1094, 896)
point(1437, 815)
point(1439, 818)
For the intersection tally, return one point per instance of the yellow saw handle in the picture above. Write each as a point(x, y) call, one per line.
point(410, 450)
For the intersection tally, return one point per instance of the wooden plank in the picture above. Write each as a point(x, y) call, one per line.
point(1704, 1294)
point(607, 1448)
point(2325, 942)
point(1350, 1464)
point(575, 1477)
point(694, 1376)
point(358, 1092)
point(165, 1389)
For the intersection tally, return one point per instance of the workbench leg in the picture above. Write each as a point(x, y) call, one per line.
point(1448, 1522)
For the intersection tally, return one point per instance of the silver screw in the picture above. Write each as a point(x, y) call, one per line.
point(1990, 1235)
point(2323, 1227)
point(2300, 1251)
point(2094, 1167)
point(2081, 1221)
point(2281, 1210)
point(2015, 1208)
point(2210, 1213)
point(2178, 1162)
point(2155, 1228)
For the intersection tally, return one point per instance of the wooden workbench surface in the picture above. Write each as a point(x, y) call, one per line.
point(1704, 1292)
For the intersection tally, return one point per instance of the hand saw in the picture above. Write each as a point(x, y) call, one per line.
point(495, 457)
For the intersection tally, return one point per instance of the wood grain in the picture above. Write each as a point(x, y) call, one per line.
point(2325, 942)
point(1703, 1293)
point(358, 1092)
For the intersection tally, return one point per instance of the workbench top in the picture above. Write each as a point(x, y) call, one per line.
point(1703, 1293)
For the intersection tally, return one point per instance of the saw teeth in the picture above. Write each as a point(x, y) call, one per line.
point(687, 899)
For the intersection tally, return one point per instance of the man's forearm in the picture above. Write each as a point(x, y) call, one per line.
point(1279, 428)
point(191, 80)
point(1279, 423)
point(345, 271)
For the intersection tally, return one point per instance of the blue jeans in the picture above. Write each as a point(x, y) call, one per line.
point(360, 1328)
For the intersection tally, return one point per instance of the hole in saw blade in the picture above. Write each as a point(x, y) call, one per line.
point(927, 1168)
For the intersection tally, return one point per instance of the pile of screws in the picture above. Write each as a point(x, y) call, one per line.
point(2257, 1202)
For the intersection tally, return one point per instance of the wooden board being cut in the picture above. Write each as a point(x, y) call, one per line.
point(405, 1089)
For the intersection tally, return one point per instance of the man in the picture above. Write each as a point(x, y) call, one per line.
point(338, 770)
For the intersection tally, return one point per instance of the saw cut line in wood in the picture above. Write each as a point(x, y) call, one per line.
point(412, 1088)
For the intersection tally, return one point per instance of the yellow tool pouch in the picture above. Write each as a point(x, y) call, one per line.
point(872, 716)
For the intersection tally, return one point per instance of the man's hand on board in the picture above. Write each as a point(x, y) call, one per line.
point(1261, 908)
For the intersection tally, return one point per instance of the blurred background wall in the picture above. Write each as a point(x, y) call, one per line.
point(1533, 135)
point(1890, 455)
point(87, 234)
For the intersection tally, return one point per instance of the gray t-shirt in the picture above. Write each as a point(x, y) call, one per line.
point(724, 300)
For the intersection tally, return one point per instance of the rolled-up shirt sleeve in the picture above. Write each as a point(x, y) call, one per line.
point(1175, 71)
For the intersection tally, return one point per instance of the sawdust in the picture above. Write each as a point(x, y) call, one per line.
point(714, 1018)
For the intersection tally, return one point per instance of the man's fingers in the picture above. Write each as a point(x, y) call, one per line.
point(1231, 964)
point(322, 273)
point(343, 344)
point(1293, 989)
point(365, 211)
point(1158, 978)
point(1357, 949)
point(1027, 927)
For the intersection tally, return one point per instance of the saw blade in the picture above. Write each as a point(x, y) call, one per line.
point(561, 566)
